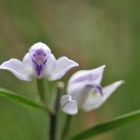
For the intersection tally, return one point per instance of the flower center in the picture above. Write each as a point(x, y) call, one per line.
point(97, 88)
point(39, 59)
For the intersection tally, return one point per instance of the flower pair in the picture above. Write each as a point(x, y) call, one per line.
point(84, 87)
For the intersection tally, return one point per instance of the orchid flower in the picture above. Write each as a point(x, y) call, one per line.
point(39, 62)
point(85, 91)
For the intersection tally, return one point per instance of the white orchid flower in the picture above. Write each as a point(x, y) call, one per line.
point(85, 91)
point(39, 62)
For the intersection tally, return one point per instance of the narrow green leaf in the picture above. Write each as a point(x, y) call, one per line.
point(19, 99)
point(106, 126)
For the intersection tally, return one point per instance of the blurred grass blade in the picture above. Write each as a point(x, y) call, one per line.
point(106, 126)
point(19, 99)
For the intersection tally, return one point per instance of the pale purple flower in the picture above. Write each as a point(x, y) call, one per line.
point(39, 62)
point(85, 91)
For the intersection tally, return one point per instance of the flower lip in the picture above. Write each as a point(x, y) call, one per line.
point(39, 59)
point(39, 56)
point(97, 88)
point(89, 86)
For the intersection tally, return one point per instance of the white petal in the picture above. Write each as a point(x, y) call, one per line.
point(68, 105)
point(78, 92)
point(27, 62)
point(41, 46)
point(51, 62)
point(26, 58)
point(62, 65)
point(92, 76)
point(95, 100)
point(17, 68)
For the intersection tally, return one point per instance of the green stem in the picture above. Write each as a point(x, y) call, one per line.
point(53, 119)
point(66, 128)
point(108, 125)
point(41, 91)
point(54, 116)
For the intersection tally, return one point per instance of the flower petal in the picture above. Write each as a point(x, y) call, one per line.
point(39, 45)
point(39, 54)
point(27, 62)
point(62, 65)
point(69, 105)
point(79, 92)
point(93, 76)
point(50, 65)
point(17, 68)
point(95, 100)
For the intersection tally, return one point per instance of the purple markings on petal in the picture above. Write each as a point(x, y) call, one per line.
point(89, 86)
point(39, 56)
point(39, 69)
point(99, 89)
point(39, 59)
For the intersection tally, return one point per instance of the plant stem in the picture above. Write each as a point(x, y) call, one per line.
point(54, 116)
point(41, 91)
point(66, 127)
point(53, 119)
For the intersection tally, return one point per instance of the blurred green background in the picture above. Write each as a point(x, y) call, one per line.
point(91, 32)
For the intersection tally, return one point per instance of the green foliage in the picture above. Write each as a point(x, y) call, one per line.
point(103, 127)
point(19, 99)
